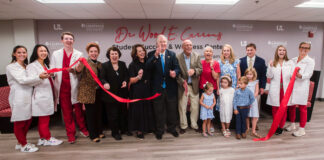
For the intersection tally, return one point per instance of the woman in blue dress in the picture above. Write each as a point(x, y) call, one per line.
point(229, 65)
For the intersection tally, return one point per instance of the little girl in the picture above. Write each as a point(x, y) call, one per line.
point(253, 85)
point(207, 102)
point(226, 104)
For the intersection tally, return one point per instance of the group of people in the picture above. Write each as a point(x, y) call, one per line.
point(220, 88)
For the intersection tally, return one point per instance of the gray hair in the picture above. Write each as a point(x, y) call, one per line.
point(207, 48)
point(161, 36)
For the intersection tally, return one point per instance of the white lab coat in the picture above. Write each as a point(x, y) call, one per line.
point(42, 97)
point(57, 62)
point(301, 88)
point(20, 91)
point(274, 73)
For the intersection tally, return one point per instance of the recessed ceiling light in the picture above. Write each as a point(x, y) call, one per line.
point(312, 4)
point(219, 2)
point(71, 1)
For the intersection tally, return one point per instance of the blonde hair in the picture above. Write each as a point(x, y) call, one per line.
point(244, 80)
point(208, 86)
point(255, 74)
point(232, 56)
point(276, 56)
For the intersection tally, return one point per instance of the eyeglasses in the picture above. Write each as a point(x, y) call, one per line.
point(304, 48)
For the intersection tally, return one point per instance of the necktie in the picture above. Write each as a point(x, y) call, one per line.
point(162, 62)
point(250, 63)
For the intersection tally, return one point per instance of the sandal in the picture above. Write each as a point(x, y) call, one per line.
point(224, 133)
point(255, 135)
point(228, 132)
point(209, 133)
point(204, 135)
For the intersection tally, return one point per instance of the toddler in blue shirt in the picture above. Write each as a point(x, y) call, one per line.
point(243, 98)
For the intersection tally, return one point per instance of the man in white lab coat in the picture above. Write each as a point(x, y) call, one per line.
point(66, 86)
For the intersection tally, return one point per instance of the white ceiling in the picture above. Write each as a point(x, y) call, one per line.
point(265, 10)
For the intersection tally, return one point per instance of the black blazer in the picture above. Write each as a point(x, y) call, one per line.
point(157, 76)
point(109, 75)
point(260, 67)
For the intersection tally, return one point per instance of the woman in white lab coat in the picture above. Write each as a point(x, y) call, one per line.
point(20, 96)
point(279, 72)
point(301, 88)
point(43, 95)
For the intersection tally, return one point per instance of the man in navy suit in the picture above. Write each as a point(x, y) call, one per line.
point(251, 60)
point(164, 68)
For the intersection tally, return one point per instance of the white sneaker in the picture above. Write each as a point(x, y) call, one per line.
point(40, 142)
point(300, 132)
point(84, 135)
point(29, 148)
point(291, 127)
point(52, 142)
point(18, 146)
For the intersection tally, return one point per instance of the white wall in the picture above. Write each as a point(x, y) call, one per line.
point(6, 44)
point(15, 32)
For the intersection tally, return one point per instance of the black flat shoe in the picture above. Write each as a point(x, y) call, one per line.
point(279, 131)
point(140, 135)
point(175, 134)
point(117, 137)
point(158, 136)
point(182, 131)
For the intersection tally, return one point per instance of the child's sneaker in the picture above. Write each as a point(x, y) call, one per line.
point(29, 148)
point(18, 146)
point(52, 142)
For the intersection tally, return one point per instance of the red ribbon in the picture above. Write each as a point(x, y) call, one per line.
point(94, 76)
point(282, 108)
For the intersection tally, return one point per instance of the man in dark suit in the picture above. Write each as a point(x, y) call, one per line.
point(164, 68)
point(251, 60)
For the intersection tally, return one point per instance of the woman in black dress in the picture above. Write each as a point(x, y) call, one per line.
point(140, 113)
point(114, 76)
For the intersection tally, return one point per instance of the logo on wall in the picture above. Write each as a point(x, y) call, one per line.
point(243, 27)
point(53, 45)
point(243, 43)
point(57, 27)
point(307, 28)
point(93, 27)
point(280, 28)
point(274, 44)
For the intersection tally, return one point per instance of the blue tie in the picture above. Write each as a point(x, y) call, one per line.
point(162, 61)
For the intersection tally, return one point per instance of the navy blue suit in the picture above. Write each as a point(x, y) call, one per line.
point(260, 67)
point(165, 106)
point(154, 66)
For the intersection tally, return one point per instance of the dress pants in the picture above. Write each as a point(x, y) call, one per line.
point(241, 120)
point(117, 117)
point(165, 110)
point(20, 129)
point(194, 109)
point(94, 117)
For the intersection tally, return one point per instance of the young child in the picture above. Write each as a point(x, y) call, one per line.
point(226, 94)
point(253, 85)
point(243, 98)
point(207, 102)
